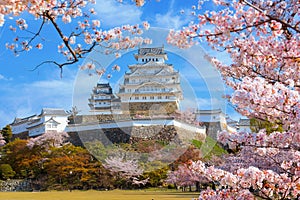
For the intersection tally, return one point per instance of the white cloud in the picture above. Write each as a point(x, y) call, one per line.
point(203, 103)
point(5, 118)
point(4, 78)
point(113, 13)
point(208, 103)
point(50, 93)
point(170, 20)
point(24, 99)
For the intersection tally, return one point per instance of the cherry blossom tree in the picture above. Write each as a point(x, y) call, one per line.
point(126, 169)
point(84, 35)
point(185, 176)
point(262, 40)
point(49, 139)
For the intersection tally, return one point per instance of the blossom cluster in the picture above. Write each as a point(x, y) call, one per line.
point(185, 175)
point(247, 182)
point(264, 51)
point(49, 139)
point(82, 36)
point(256, 97)
point(126, 168)
point(262, 39)
point(276, 139)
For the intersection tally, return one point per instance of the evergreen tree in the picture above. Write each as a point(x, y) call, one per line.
point(7, 133)
point(6, 171)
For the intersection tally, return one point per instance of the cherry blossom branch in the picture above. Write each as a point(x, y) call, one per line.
point(271, 17)
point(66, 41)
point(231, 30)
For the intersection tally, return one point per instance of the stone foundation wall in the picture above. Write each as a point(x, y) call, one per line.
point(15, 185)
point(136, 134)
point(152, 108)
point(82, 119)
point(212, 129)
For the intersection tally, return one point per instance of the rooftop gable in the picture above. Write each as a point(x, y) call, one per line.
point(53, 111)
point(156, 51)
point(244, 122)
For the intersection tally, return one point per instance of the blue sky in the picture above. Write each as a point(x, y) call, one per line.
point(25, 92)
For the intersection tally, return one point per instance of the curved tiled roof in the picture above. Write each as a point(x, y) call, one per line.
point(53, 111)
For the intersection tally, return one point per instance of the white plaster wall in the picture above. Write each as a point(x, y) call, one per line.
point(36, 131)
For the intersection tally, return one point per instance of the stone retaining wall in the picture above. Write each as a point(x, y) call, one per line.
point(136, 134)
point(152, 108)
point(212, 129)
point(15, 185)
point(82, 119)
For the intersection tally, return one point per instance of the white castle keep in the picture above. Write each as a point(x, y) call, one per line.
point(151, 84)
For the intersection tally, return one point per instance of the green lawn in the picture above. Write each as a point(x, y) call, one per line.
point(100, 195)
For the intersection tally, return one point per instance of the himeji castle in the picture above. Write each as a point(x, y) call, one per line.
point(145, 102)
point(151, 84)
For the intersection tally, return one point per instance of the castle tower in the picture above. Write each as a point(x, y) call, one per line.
point(102, 99)
point(150, 84)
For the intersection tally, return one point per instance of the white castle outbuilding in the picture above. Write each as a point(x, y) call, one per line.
point(50, 119)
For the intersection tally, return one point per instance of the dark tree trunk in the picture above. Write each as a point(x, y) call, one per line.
point(197, 186)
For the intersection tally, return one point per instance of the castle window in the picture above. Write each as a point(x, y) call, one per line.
point(151, 97)
point(156, 59)
point(144, 98)
point(136, 98)
point(159, 97)
point(143, 60)
point(51, 125)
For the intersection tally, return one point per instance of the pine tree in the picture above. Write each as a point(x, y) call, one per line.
point(7, 133)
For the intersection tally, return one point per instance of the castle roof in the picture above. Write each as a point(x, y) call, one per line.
point(157, 51)
point(103, 85)
point(208, 112)
point(53, 111)
point(144, 52)
point(23, 120)
point(244, 122)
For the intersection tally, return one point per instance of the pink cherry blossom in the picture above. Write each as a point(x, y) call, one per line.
point(48, 12)
point(262, 40)
point(49, 139)
point(125, 168)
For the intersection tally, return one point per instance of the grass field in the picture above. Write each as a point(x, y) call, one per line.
point(100, 195)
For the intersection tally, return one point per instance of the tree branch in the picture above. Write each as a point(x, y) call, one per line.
point(66, 41)
point(270, 16)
